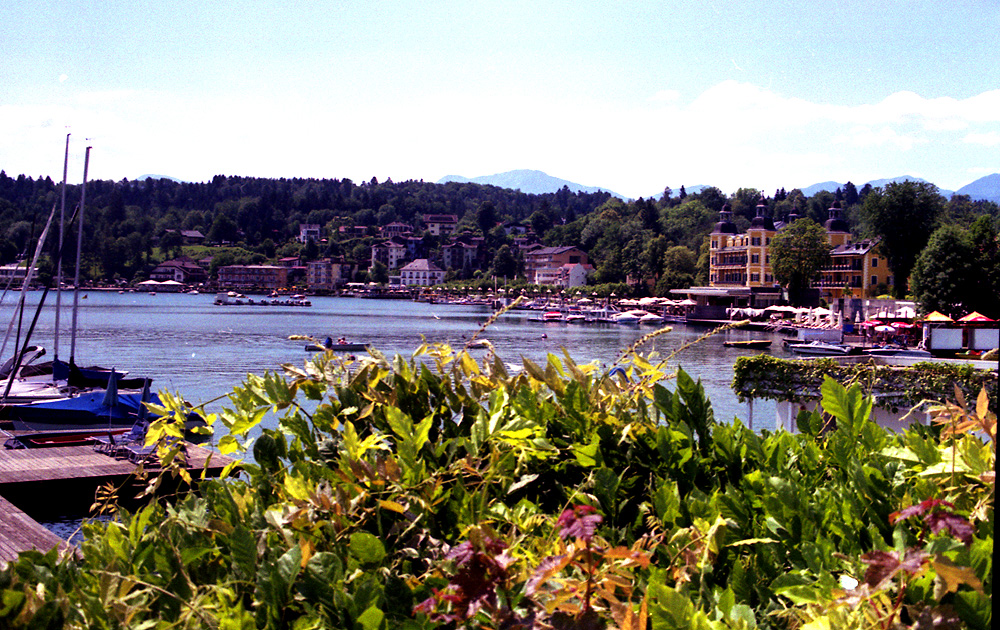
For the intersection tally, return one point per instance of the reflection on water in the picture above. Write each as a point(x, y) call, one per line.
point(69, 528)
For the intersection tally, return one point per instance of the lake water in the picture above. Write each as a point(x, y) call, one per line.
point(188, 344)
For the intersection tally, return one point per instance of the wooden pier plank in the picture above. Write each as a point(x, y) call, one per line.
point(65, 467)
point(19, 532)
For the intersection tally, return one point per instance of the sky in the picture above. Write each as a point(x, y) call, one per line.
point(630, 96)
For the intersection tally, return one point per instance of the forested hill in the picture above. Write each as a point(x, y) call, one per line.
point(652, 244)
point(273, 208)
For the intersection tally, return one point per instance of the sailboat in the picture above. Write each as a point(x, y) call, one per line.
point(61, 396)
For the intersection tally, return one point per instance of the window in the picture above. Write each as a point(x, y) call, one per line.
point(755, 277)
point(715, 244)
point(755, 241)
point(767, 241)
point(874, 280)
point(767, 259)
point(755, 259)
point(874, 261)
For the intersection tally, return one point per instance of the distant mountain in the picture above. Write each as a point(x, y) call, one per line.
point(985, 188)
point(809, 191)
point(145, 177)
point(527, 181)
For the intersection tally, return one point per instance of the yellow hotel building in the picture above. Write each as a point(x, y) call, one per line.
point(743, 260)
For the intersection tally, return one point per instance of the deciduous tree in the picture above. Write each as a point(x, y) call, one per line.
point(903, 215)
point(943, 275)
point(798, 252)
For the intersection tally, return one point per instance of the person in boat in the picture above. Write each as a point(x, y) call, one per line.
point(328, 343)
point(342, 341)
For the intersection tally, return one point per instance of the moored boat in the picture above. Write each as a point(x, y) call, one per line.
point(820, 349)
point(752, 344)
point(342, 345)
point(628, 317)
point(651, 318)
point(918, 353)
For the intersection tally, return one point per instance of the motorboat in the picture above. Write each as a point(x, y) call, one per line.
point(340, 346)
point(896, 351)
point(552, 316)
point(750, 344)
point(821, 349)
point(628, 317)
point(651, 318)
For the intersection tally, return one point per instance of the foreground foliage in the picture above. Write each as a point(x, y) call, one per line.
point(441, 492)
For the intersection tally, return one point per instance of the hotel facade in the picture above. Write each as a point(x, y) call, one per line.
point(743, 259)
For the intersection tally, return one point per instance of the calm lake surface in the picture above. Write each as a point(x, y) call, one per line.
point(187, 344)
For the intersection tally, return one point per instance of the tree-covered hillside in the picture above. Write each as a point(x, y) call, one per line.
point(653, 244)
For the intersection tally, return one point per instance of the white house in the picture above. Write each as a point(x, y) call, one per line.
point(421, 272)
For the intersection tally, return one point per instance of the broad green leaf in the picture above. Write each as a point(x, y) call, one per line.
point(588, 454)
point(371, 619)
point(367, 548)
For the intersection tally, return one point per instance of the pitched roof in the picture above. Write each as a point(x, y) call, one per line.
point(421, 264)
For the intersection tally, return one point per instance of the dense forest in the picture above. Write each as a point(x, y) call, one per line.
point(653, 244)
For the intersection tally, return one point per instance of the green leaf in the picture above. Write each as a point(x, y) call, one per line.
point(668, 609)
point(190, 554)
point(367, 548)
point(11, 603)
point(371, 619)
point(606, 484)
point(287, 568)
point(588, 455)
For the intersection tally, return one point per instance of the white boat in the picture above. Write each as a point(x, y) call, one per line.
point(629, 317)
point(916, 353)
point(820, 349)
point(552, 316)
point(651, 318)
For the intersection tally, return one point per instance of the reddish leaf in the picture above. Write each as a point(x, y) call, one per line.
point(884, 565)
point(579, 522)
point(957, 526)
point(921, 508)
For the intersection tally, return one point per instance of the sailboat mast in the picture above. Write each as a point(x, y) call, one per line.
point(62, 221)
point(79, 247)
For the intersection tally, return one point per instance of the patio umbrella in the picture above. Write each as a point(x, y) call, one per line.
point(935, 316)
point(110, 399)
point(902, 325)
point(870, 322)
point(975, 316)
point(884, 328)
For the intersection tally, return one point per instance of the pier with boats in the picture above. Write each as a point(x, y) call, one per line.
point(68, 430)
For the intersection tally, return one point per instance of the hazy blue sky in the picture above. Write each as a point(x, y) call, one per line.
point(631, 96)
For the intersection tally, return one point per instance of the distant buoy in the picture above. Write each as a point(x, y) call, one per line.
point(544, 336)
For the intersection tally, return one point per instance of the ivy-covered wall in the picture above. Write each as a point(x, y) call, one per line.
point(764, 376)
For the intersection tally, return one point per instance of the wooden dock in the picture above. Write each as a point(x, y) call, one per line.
point(60, 481)
point(19, 532)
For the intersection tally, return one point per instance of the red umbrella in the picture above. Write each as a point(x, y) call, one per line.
point(871, 322)
point(902, 325)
